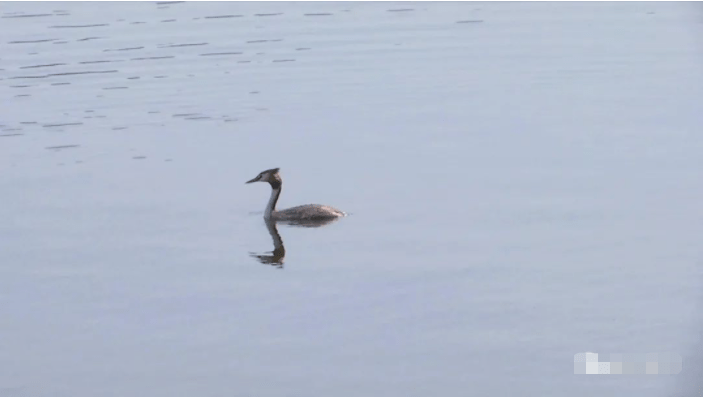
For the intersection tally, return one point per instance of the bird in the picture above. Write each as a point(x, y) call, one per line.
point(309, 213)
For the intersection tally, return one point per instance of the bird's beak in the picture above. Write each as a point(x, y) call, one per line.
point(255, 179)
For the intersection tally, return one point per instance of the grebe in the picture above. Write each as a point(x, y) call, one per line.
point(302, 213)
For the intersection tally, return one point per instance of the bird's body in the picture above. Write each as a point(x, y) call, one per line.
point(302, 213)
point(307, 212)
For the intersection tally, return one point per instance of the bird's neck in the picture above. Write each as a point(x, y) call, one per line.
point(272, 201)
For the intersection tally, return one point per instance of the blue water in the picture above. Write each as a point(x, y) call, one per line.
point(524, 183)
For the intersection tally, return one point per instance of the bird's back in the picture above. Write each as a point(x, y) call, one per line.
point(307, 212)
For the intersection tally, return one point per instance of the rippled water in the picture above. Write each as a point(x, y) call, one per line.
point(524, 183)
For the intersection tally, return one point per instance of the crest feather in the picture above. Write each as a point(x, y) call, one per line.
point(271, 171)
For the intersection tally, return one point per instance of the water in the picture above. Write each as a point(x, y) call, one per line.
point(524, 182)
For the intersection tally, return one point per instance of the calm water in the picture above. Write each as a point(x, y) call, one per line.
point(524, 181)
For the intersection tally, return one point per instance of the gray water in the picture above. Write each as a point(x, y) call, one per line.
point(523, 181)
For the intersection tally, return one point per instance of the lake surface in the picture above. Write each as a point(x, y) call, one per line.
point(524, 183)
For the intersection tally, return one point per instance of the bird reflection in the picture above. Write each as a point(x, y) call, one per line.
point(276, 257)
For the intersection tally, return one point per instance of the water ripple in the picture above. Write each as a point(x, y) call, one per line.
point(62, 147)
point(31, 41)
point(42, 66)
point(148, 58)
point(220, 53)
point(28, 16)
point(79, 26)
point(223, 16)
